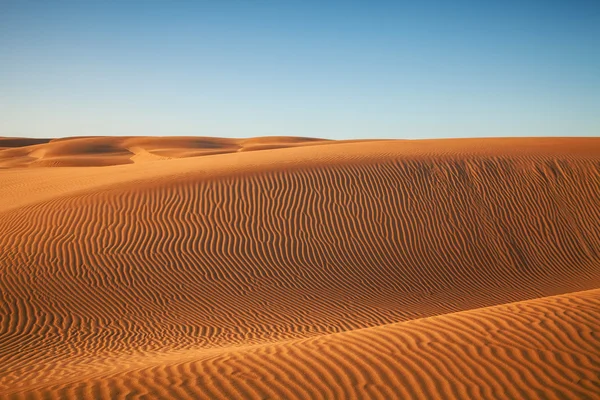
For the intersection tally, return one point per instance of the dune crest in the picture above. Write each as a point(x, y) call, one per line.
point(533, 349)
point(206, 267)
point(106, 151)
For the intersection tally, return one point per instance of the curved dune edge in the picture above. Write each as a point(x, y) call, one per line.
point(543, 348)
point(104, 270)
point(110, 150)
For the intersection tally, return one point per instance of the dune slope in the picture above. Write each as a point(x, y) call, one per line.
point(179, 256)
point(543, 348)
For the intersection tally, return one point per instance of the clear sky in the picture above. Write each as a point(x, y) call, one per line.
point(336, 69)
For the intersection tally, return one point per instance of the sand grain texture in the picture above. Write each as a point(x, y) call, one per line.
point(299, 268)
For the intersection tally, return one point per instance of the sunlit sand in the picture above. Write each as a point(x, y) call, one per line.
point(286, 267)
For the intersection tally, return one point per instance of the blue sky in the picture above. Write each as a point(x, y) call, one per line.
point(337, 69)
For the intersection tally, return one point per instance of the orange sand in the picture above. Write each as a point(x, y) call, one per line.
point(299, 268)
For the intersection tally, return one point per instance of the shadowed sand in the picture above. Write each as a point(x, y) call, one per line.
point(299, 268)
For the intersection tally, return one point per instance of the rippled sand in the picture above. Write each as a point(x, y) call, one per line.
point(299, 268)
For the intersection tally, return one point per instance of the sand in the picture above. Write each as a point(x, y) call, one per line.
point(299, 268)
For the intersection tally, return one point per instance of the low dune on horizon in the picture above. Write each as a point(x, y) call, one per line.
point(285, 267)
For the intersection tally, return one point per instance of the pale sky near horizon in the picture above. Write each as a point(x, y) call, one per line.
point(334, 69)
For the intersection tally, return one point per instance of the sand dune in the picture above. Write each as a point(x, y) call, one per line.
point(285, 267)
point(104, 151)
point(543, 348)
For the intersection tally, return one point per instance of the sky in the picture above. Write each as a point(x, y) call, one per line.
point(333, 69)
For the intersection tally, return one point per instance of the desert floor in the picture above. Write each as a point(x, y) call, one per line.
point(299, 268)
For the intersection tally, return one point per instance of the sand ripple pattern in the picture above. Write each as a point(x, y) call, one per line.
point(181, 260)
point(544, 348)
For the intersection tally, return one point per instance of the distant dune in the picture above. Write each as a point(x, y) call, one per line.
point(103, 151)
point(282, 267)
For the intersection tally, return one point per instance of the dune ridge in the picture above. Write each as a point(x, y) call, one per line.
point(106, 151)
point(183, 254)
point(542, 348)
